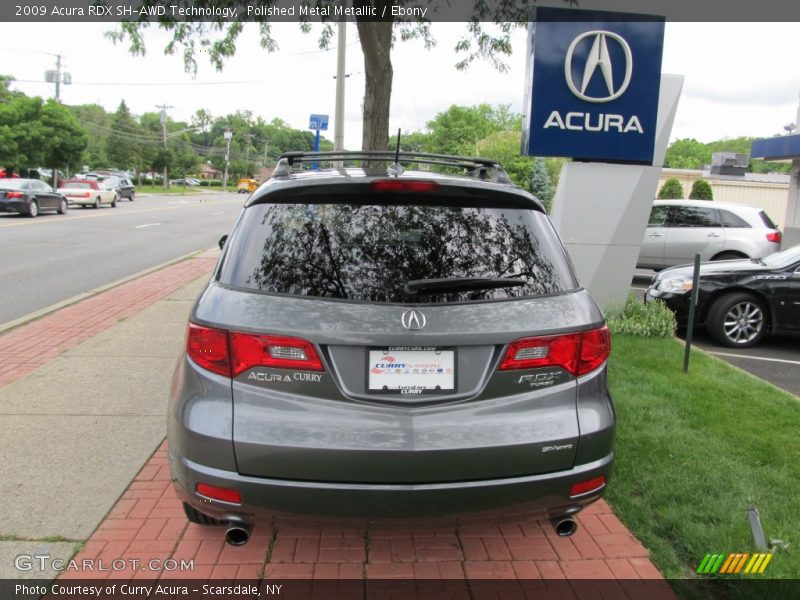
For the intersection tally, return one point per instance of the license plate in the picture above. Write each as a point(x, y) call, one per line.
point(411, 371)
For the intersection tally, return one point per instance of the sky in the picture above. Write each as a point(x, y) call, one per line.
point(740, 78)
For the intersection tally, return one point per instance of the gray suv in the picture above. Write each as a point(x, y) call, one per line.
point(377, 342)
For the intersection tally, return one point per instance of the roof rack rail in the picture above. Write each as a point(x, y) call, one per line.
point(481, 168)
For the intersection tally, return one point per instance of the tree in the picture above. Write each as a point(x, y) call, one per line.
point(376, 38)
point(671, 190)
point(459, 129)
point(503, 146)
point(540, 184)
point(701, 190)
point(122, 144)
point(687, 154)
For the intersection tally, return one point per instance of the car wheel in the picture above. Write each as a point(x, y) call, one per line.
point(114, 202)
point(729, 256)
point(196, 516)
point(97, 202)
point(737, 320)
point(33, 210)
point(62, 207)
point(131, 197)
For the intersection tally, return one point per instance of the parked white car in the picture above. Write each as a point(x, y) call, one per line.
point(88, 192)
point(678, 229)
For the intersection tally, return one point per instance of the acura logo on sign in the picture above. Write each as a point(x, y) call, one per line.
point(599, 58)
point(411, 319)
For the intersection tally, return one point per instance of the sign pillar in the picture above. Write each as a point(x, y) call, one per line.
point(317, 123)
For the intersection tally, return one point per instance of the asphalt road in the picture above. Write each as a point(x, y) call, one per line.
point(776, 359)
point(55, 257)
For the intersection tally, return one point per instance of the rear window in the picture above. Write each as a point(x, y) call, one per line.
point(692, 216)
point(368, 253)
point(13, 184)
point(77, 186)
point(732, 220)
point(766, 220)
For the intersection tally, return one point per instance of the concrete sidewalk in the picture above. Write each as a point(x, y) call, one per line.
point(83, 396)
point(85, 469)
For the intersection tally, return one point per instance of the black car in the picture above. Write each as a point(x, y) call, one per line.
point(29, 197)
point(122, 185)
point(739, 301)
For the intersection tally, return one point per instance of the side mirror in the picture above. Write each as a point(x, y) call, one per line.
point(222, 241)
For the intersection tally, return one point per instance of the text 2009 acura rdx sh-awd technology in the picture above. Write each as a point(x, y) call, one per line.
point(388, 343)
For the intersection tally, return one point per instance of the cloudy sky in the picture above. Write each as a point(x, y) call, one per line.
point(741, 78)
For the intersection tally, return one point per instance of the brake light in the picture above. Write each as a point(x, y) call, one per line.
point(585, 487)
point(14, 194)
point(775, 237)
point(218, 493)
point(208, 347)
point(403, 185)
point(250, 350)
point(577, 353)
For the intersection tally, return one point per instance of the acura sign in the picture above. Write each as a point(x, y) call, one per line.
point(592, 85)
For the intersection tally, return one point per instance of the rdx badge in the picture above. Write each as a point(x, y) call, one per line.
point(540, 379)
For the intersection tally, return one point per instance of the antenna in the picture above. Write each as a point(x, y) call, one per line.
point(396, 168)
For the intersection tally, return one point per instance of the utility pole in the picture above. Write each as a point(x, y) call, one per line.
point(164, 108)
point(58, 78)
point(227, 135)
point(338, 117)
point(266, 150)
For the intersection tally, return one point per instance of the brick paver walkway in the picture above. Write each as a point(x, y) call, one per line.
point(148, 522)
point(28, 347)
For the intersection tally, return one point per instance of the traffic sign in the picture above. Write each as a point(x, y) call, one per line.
point(318, 122)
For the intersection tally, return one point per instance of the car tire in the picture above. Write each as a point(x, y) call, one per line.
point(114, 202)
point(62, 207)
point(96, 202)
point(195, 516)
point(33, 209)
point(729, 256)
point(737, 320)
point(131, 197)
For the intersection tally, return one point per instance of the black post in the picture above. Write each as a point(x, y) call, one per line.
point(692, 304)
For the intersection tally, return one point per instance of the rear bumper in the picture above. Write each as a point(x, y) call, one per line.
point(546, 494)
point(14, 206)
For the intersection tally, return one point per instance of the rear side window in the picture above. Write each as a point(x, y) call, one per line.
point(766, 220)
point(368, 253)
point(731, 220)
point(692, 216)
point(658, 216)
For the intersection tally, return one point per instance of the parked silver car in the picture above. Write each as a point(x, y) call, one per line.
point(678, 229)
point(378, 344)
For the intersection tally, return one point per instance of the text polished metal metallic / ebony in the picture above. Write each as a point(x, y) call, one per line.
point(382, 345)
point(739, 301)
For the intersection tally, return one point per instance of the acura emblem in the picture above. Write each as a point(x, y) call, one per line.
point(599, 56)
point(412, 319)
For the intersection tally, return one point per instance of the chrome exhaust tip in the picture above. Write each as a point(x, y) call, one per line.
point(565, 527)
point(238, 533)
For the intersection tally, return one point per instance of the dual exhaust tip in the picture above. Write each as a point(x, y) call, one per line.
point(238, 532)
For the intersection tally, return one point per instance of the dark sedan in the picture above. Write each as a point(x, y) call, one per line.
point(29, 197)
point(122, 185)
point(739, 301)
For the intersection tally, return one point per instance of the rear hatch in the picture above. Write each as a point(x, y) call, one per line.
point(372, 338)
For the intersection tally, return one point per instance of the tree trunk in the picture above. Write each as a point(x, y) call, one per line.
point(376, 44)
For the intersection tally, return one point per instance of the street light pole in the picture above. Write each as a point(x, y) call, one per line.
point(227, 135)
point(338, 118)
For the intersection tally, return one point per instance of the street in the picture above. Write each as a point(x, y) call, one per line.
point(55, 257)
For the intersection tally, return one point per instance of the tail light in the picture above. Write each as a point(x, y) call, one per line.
point(403, 185)
point(577, 353)
point(232, 353)
point(588, 486)
point(208, 347)
point(14, 194)
point(775, 237)
point(273, 351)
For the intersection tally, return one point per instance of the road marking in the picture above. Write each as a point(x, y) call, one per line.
point(751, 357)
point(147, 225)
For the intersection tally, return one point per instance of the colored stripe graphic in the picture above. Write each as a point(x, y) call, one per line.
point(734, 563)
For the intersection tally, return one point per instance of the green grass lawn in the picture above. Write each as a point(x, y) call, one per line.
point(695, 451)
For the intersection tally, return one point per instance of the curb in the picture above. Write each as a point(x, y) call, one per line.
point(38, 314)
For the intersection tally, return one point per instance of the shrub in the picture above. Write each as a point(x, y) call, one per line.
point(701, 190)
point(671, 190)
point(653, 319)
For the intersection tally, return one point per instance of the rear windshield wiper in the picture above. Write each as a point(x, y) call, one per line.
point(460, 284)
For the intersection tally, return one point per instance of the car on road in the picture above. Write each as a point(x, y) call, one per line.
point(30, 197)
point(679, 229)
point(246, 186)
point(187, 181)
point(122, 186)
point(739, 301)
point(380, 342)
point(88, 192)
